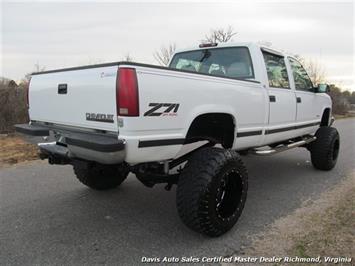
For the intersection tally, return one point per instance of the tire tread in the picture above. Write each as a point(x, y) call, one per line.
point(321, 149)
point(194, 188)
point(100, 177)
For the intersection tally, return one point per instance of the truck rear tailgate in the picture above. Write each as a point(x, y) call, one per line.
point(81, 98)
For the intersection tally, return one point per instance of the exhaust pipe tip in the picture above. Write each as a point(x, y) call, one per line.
point(51, 160)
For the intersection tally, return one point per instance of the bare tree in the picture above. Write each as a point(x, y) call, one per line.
point(128, 58)
point(165, 53)
point(37, 68)
point(219, 35)
point(315, 70)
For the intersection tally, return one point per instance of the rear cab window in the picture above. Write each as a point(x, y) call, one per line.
point(231, 62)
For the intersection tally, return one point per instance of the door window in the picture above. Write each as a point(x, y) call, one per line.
point(276, 70)
point(302, 80)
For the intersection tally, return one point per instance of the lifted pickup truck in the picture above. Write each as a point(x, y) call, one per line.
point(108, 120)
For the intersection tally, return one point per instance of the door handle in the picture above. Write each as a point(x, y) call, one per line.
point(299, 99)
point(62, 88)
point(272, 98)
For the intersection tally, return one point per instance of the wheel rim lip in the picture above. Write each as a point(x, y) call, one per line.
point(223, 214)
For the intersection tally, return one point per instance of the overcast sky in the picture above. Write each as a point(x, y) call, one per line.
point(57, 35)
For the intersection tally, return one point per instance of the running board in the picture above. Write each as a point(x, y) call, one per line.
point(283, 147)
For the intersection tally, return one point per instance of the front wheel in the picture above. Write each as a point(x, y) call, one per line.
point(325, 149)
point(212, 191)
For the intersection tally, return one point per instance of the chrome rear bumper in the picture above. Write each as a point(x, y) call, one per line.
point(70, 144)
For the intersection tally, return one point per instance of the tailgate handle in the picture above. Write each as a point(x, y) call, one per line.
point(62, 88)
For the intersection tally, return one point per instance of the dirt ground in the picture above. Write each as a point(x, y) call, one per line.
point(324, 227)
point(13, 149)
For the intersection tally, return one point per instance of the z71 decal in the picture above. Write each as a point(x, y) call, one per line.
point(162, 109)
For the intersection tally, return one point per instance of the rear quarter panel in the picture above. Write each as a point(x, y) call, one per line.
point(195, 95)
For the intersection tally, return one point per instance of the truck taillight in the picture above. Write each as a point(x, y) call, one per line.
point(127, 92)
point(27, 92)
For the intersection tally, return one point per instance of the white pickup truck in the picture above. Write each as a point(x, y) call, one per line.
point(111, 119)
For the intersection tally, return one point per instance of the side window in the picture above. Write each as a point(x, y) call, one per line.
point(276, 70)
point(302, 80)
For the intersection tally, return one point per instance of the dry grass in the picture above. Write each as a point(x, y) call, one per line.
point(348, 115)
point(325, 227)
point(13, 150)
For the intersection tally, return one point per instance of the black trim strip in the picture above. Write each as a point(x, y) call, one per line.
point(277, 130)
point(166, 142)
point(160, 142)
point(249, 133)
point(141, 65)
point(308, 125)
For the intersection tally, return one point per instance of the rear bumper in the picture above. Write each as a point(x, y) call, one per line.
point(32, 130)
point(70, 144)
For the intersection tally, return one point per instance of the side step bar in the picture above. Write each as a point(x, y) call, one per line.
point(283, 147)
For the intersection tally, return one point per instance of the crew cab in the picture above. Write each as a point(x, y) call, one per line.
point(111, 119)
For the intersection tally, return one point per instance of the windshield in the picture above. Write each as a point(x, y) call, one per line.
point(232, 62)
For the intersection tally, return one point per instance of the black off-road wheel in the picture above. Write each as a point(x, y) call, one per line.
point(325, 149)
point(99, 176)
point(212, 190)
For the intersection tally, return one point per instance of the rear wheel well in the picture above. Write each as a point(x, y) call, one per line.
point(325, 117)
point(214, 127)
